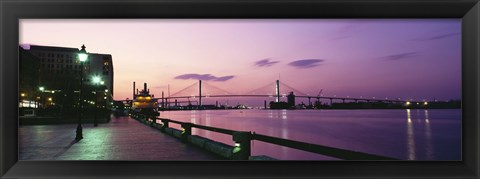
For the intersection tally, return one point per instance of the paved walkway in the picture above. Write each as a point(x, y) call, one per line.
point(121, 139)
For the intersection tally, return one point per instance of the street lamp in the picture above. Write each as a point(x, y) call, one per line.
point(96, 80)
point(82, 57)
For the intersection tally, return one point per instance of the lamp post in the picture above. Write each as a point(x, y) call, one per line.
point(82, 57)
point(97, 81)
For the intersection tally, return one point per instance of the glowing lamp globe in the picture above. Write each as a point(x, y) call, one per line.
point(82, 55)
point(96, 79)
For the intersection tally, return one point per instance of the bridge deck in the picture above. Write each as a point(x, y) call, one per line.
point(121, 139)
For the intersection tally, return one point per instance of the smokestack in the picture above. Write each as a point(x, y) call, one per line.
point(145, 87)
point(134, 90)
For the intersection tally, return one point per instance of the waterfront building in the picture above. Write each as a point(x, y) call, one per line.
point(28, 79)
point(58, 71)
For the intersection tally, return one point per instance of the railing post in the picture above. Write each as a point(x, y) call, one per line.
point(242, 145)
point(153, 121)
point(187, 131)
point(165, 125)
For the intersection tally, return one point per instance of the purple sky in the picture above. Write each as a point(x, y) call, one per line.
point(419, 59)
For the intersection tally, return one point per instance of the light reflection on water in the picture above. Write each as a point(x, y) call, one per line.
point(410, 137)
point(433, 134)
point(428, 137)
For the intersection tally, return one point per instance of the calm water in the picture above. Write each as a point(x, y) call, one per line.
point(433, 134)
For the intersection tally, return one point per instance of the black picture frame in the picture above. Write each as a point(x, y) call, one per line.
point(13, 10)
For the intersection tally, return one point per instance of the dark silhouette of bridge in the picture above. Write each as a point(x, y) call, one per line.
point(196, 92)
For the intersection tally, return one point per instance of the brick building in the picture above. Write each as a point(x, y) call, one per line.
point(58, 70)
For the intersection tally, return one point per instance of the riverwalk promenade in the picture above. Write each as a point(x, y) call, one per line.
point(123, 138)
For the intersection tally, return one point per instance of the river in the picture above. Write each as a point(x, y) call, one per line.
point(407, 134)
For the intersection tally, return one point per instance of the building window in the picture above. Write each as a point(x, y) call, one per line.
point(105, 67)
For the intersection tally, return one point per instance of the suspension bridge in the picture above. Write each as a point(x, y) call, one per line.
point(198, 91)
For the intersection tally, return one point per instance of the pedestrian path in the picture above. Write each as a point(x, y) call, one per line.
point(122, 138)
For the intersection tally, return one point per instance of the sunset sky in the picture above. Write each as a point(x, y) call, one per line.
point(419, 59)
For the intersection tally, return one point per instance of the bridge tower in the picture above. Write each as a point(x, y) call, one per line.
point(277, 91)
point(199, 94)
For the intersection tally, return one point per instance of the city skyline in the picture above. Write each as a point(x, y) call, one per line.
point(408, 59)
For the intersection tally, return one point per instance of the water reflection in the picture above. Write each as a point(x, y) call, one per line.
point(428, 137)
point(418, 116)
point(284, 125)
point(409, 116)
point(284, 132)
point(284, 114)
point(207, 115)
point(193, 115)
point(207, 123)
point(193, 119)
point(405, 138)
point(410, 137)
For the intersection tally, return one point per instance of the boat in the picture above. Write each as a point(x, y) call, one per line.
point(144, 103)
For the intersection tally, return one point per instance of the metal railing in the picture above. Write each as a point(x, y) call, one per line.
point(242, 139)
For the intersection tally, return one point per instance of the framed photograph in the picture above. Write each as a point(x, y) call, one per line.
point(240, 89)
